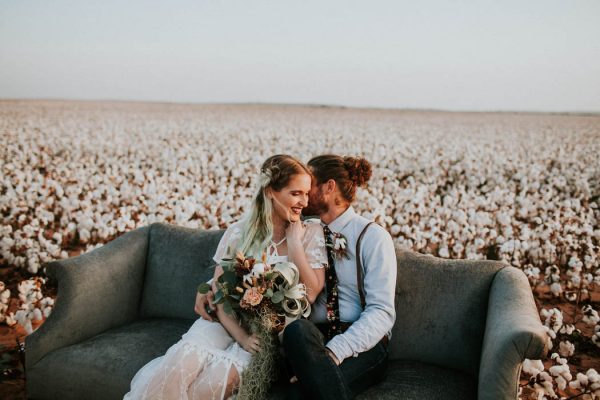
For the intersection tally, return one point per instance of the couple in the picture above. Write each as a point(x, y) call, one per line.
point(342, 348)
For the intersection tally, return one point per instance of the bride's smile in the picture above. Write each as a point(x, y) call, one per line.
point(290, 200)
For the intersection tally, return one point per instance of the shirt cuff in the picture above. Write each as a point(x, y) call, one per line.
point(340, 347)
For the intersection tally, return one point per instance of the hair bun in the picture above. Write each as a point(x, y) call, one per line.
point(359, 170)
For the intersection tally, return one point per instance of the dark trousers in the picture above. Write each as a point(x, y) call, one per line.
point(318, 376)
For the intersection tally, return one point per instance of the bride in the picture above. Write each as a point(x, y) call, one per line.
point(208, 361)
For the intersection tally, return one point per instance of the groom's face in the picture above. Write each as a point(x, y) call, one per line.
point(317, 204)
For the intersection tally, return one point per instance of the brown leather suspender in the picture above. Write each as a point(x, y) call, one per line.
point(359, 271)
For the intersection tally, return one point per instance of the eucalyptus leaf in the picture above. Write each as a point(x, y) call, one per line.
point(230, 278)
point(203, 288)
point(219, 297)
point(277, 297)
point(227, 307)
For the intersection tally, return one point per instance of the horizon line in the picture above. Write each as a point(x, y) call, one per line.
point(307, 105)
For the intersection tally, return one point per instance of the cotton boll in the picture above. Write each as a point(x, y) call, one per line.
point(592, 375)
point(566, 348)
point(532, 367)
point(590, 316)
point(580, 382)
point(567, 329)
point(533, 273)
point(37, 314)
point(556, 289)
point(596, 336)
point(33, 265)
point(560, 371)
point(458, 248)
point(570, 295)
point(543, 385)
point(84, 235)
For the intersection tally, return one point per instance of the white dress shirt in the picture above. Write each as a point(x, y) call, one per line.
point(378, 259)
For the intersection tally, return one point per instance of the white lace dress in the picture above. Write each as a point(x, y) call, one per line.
point(197, 367)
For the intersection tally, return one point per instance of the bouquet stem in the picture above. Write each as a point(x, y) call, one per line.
point(262, 369)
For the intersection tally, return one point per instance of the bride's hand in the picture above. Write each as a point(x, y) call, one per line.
point(295, 232)
point(251, 344)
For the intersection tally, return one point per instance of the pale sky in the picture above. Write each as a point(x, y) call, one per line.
point(532, 55)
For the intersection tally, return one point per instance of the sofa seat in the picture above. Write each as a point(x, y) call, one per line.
point(104, 365)
point(410, 380)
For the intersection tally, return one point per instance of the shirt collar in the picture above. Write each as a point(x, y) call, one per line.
point(342, 220)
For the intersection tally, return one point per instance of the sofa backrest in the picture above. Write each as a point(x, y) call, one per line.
point(178, 260)
point(441, 309)
point(441, 305)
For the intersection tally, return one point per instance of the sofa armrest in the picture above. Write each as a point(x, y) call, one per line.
point(513, 332)
point(96, 291)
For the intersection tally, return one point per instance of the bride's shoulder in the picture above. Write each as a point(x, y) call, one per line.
point(236, 226)
point(312, 224)
point(234, 230)
point(313, 227)
point(312, 221)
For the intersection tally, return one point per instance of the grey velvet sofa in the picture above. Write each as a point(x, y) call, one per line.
point(462, 330)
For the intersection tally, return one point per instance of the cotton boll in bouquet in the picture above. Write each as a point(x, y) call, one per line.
point(264, 298)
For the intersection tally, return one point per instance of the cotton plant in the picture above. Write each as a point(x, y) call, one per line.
point(77, 180)
point(588, 384)
point(544, 384)
point(560, 371)
point(558, 380)
point(33, 306)
point(4, 301)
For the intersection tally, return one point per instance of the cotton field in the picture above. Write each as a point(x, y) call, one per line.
point(524, 188)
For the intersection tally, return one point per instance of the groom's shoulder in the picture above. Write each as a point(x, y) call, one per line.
point(374, 231)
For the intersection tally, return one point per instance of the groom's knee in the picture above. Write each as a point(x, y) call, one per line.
point(301, 332)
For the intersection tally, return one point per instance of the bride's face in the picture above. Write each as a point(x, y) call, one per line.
point(289, 201)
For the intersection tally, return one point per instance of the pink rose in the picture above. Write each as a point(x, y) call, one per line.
point(251, 298)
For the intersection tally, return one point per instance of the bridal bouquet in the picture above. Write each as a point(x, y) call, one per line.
point(265, 298)
point(251, 289)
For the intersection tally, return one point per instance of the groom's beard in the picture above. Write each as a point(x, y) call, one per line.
point(316, 206)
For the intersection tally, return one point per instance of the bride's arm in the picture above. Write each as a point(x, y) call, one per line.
point(250, 343)
point(313, 279)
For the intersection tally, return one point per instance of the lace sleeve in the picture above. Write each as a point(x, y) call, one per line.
point(314, 244)
point(228, 243)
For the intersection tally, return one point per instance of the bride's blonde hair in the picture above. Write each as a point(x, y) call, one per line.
point(257, 229)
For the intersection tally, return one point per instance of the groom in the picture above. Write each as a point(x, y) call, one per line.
point(342, 349)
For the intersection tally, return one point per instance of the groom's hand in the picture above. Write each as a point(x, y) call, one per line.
point(202, 301)
point(333, 357)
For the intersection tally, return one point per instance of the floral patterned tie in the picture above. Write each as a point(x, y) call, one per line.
point(333, 307)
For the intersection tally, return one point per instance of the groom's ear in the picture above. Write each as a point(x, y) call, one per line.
point(330, 186)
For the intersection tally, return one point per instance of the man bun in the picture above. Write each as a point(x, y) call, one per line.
point(359, 170)
point(348, 172)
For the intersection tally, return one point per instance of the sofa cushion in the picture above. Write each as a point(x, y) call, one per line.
point(441, 310)
point(410, 380)
point(102, 367)
point(179, 259)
